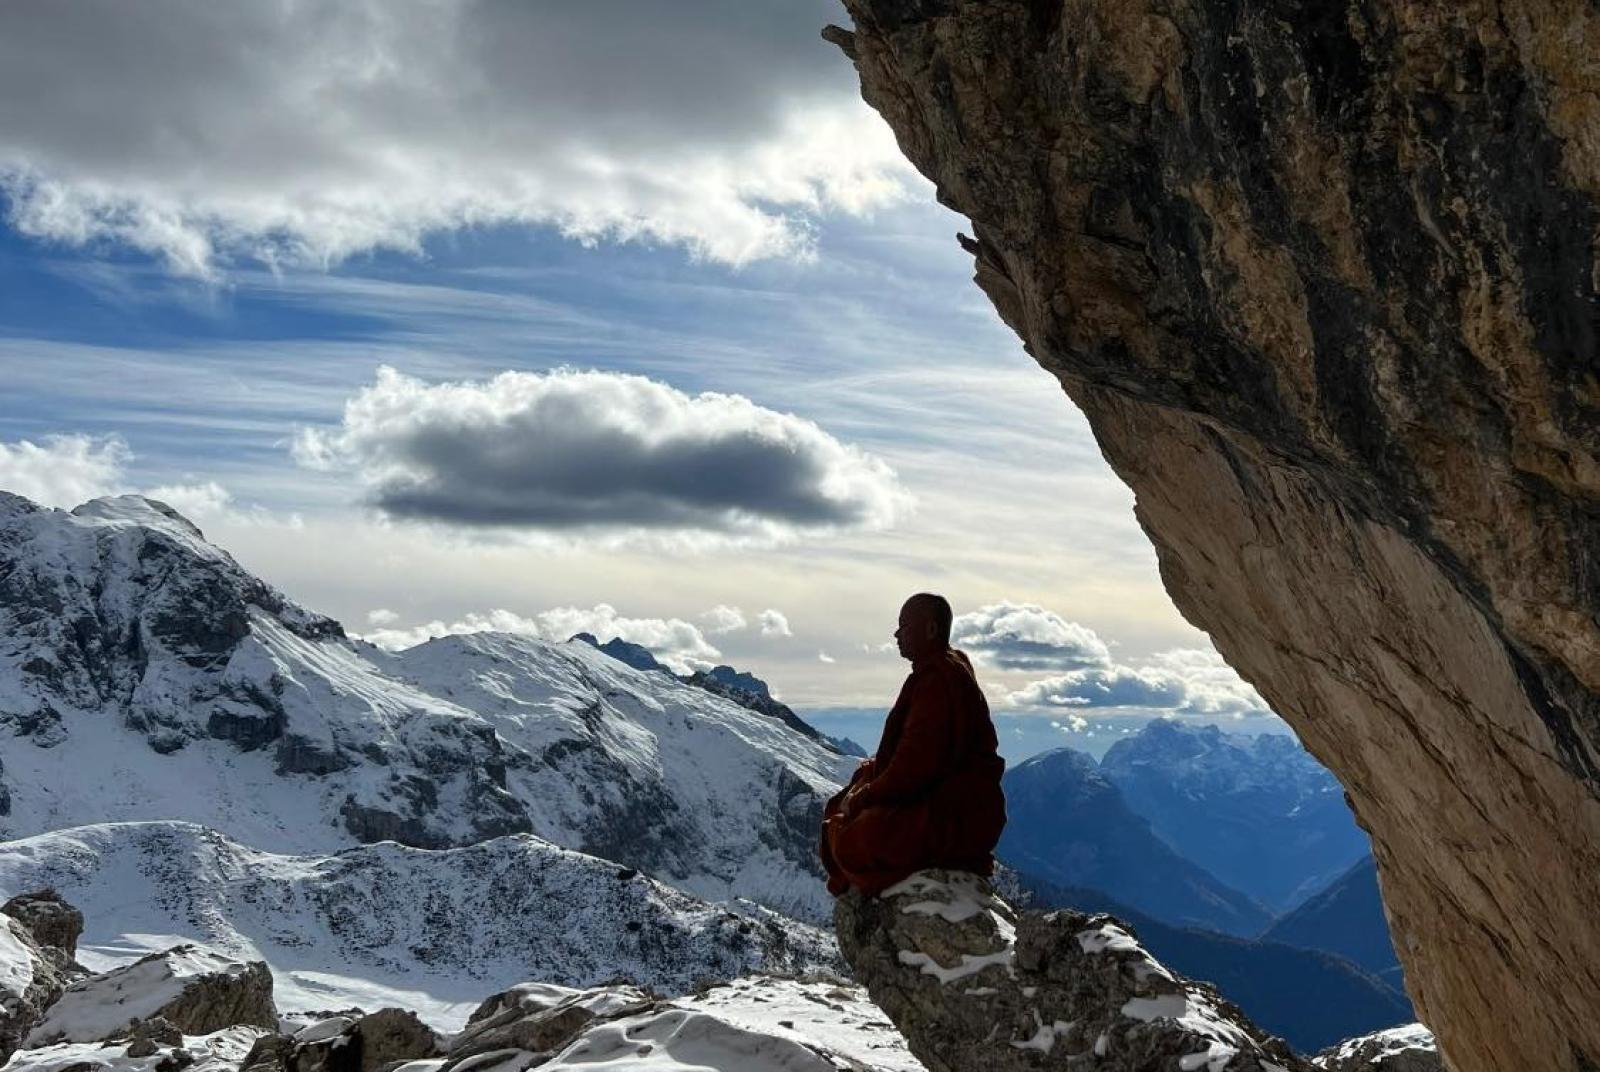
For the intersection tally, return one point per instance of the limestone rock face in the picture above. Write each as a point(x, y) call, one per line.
point(1323, 279)
point(974, 985)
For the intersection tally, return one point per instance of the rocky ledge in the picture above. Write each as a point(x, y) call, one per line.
point(973, 984)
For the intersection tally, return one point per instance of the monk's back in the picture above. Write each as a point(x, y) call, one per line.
point(931, 796)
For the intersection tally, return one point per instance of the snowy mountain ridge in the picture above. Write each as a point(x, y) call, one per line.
point(132, 648)
point(388, 924)
point(1259, 812)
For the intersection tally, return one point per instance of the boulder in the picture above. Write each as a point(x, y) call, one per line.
point(538, 1018)
point(197, 990)
point(973, 984)
point(49, 918)
point(346, 1043)
point(1408, 1048)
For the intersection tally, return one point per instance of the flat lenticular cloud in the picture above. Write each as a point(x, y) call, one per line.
point(1026, 636)
point(573, 451)
point(306, 132)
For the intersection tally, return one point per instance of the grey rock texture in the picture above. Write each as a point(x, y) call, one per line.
point(1323, 279)
point(32, 978)
point(364, 1043)
point(539, 1019)
point(974, 985)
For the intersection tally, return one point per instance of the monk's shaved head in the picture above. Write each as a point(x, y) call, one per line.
point(924, 626)
point(937, 610)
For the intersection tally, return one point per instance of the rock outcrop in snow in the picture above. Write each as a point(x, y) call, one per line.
point(195, 990)
point(153, 1016)
point(1323, 279)
point(974, 985)
point(441, 926)
point(1409, 1048)
point(128, 641)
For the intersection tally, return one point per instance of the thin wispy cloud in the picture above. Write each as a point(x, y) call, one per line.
point(575, 451)
point(299, 134)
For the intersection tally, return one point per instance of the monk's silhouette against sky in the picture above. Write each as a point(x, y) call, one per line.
point(930, 796)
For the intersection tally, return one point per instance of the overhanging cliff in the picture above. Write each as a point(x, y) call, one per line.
point(1323, 278)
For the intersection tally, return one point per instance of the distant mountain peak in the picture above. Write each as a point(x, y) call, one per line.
point(741, 680)
point(124, 633)
point(626, 652)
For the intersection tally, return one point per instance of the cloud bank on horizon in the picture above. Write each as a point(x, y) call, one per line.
point(1027, 637)
point(587, 451)
point(300, 134)
point(681, 645)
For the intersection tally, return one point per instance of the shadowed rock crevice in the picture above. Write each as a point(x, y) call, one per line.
point(1323, 280)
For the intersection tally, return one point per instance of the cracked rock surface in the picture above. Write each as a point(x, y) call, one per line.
point(972, 984)
point(1323, 279)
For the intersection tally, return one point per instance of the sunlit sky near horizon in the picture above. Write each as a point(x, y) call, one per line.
point(467, 315)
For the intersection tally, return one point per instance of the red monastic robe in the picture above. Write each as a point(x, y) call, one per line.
point(931, 795)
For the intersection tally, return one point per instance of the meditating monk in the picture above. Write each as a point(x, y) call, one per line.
point(931, 796)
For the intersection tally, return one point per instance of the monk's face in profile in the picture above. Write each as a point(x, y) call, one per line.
point(918, 632)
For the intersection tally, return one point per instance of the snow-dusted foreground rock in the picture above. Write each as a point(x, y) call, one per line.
point(195, 990)
point(975, 985)
point(1408, 1048)
point(29, 982)
point(387, 924)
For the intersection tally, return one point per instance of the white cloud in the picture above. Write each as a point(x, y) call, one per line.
point(774, 623)
point(1184, 681)
point(723, 619)
point(824, 657)
point(306, 132)
point(197, 502)
point(677, 643)
point(571, 451)
point(1070, 724)
point(382, 616)
point(1026, 636)
point(64, 470)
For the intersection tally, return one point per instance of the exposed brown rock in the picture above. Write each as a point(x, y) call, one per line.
point(1323, 279)
point(49, 918)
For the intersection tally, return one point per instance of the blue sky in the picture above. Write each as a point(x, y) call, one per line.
point(181, 329)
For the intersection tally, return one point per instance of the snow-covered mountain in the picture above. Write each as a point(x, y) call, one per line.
point(387, 924)
point(1347, 918)
point(145, 675)
point(1068, 825)
point(1256, 811)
